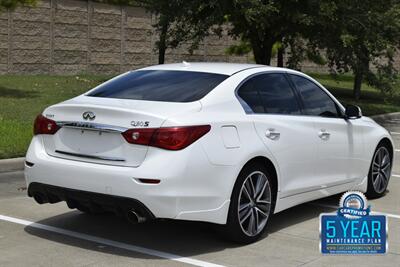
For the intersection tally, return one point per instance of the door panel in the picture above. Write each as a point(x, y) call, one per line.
point(288, 137)
point(339, 156)
point(340, 143)
point(292, 142)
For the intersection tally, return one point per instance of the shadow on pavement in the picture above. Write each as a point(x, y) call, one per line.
point(177, 237)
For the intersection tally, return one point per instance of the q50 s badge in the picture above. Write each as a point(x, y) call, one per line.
point(140, 123)
point(352, 229)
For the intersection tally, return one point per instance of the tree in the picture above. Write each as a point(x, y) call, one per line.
point(168, 13)
point(358, 35)
point(263, 23)
point(11, 4)
point(267, 28)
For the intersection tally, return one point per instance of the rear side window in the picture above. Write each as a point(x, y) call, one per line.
point(249, 93)
point(160, 85)
point(270, 93)
point(316, 101)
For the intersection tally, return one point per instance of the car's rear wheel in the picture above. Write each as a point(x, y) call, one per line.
point(380, 171)
point(252, 204)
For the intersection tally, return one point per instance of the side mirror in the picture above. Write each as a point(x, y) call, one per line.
point(353, 112)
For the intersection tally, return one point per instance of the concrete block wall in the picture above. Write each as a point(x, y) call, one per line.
point(72, 37)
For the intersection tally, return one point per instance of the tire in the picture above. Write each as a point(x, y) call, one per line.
point(248, 223)
point(379, 171)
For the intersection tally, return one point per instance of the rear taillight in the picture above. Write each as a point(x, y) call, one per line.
point(44, 125)
point(171, 138)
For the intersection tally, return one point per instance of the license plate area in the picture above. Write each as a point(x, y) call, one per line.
point(87, 145)
point(84, 141)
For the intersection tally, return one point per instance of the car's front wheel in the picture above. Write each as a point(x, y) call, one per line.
point(380, 171)
point(252, 204)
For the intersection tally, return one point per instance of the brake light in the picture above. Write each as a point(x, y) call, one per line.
point(176, 138)
point(44, 125)
point(171, 138)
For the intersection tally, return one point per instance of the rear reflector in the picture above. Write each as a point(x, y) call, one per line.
point(44, 125)
point(171, 138)
point(139, 136)
point(148, 181)
point(29, 164)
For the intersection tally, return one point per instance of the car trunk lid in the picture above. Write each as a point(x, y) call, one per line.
point(91, 128)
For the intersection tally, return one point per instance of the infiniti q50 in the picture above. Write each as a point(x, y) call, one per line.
point(229, 144)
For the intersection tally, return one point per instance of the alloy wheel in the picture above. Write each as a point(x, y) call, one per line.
point(254, 203)
point(381, 168)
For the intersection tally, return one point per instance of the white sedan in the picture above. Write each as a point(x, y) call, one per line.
point(224, 143)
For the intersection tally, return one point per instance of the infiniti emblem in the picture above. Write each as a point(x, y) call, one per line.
point(88, 115)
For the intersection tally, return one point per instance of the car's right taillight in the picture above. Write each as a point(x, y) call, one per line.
point(170, 138)
point(44, 125)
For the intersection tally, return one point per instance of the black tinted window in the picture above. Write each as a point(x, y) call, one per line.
point(160, 85)
point(277, 95)
point(249, 93)
point(316, 101)
point(270, 93)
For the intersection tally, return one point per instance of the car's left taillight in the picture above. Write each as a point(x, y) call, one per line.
point(44, 125)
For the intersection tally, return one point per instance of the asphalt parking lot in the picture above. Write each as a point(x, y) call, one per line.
point(53, 235)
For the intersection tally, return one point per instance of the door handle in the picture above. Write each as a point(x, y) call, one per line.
point(323, 134)
point(272, 134)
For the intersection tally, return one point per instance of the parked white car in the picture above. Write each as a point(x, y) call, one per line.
point(224, 143)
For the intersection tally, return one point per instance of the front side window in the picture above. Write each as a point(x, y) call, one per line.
point(316, 101)
point(160, 85)
point(270, 93)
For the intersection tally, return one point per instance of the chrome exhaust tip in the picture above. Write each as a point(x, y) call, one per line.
point(134, 218)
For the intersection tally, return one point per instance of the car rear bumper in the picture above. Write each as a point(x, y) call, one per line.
point(190, 188)
point(44, 193)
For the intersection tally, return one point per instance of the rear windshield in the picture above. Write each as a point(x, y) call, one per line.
point(160, 85)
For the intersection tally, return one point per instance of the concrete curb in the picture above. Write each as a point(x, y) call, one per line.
point(8, 165)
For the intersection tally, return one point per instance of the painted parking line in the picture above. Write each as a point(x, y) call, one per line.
point(397, 150)
point(395, 133)
point(396, 175)
point(108, 242)
point(372, 212)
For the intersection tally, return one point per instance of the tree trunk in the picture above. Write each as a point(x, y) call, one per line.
point(262, 52)
point(281, 51)
point(162, 46)
point(360, 70)
point(358, 77)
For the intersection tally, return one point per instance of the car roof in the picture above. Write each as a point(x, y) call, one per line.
point(213, 67)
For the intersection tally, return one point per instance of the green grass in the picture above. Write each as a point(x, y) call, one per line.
point(23, 97)
point(372, 102)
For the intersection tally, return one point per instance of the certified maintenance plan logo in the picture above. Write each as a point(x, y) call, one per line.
point(352, 229)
